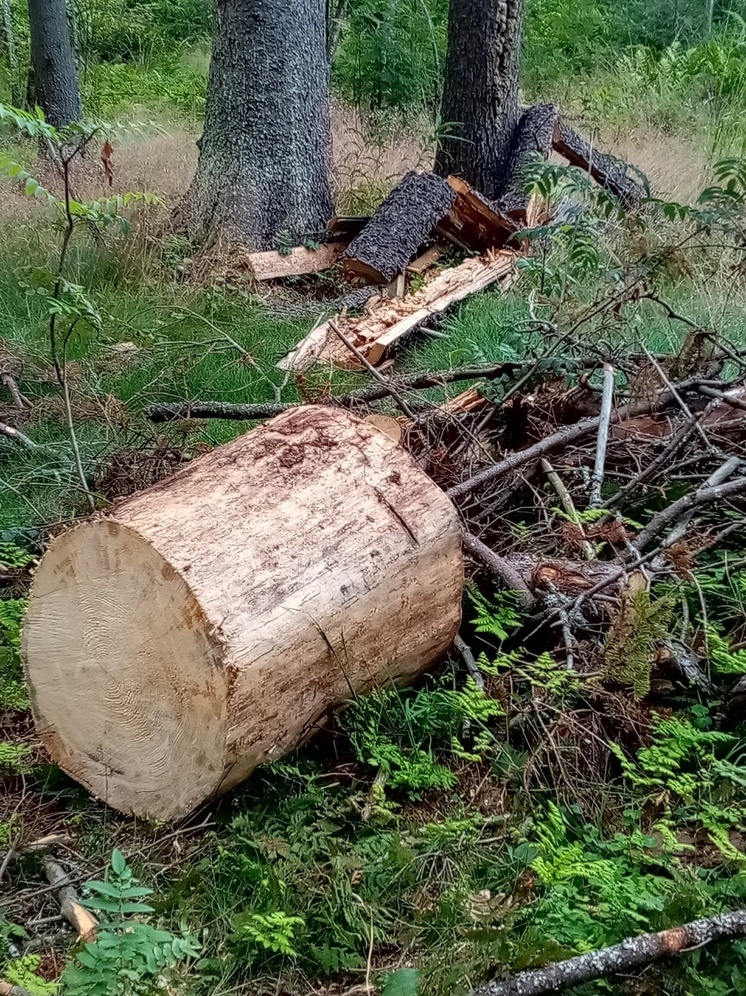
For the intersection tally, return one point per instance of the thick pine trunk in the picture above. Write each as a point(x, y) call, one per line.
point(206, 625)
point(480, 99)
point(263, 164)
point(55, 77)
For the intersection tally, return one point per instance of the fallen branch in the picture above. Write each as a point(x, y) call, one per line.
point(17, 436)
point(84, 921)
point(501, 568)
point(377, 375)
point(694, 499)
point(607, 401)
point(609, 172)
point(635, 952)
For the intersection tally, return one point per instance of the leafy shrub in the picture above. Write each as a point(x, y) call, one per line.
point(129, 956)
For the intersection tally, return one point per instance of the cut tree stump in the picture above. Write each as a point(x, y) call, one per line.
point(206, 625)
point(385, 325)
point(398, 228)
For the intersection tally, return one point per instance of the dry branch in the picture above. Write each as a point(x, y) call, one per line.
point(6, 989)
point(82, 919)
point(17, 436)
point(633, 953)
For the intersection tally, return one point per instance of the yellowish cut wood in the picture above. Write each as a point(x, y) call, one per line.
point(297, 262)
point(206, 625)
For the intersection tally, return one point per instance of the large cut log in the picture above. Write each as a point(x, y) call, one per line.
point(533, 139)
point(606, 170)
point(206, 625)
point(398, 228)
point(374, 333)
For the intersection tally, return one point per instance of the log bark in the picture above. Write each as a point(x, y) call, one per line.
point(609, 172)
point(480, 93)
point(55, 77)
point(205, 626)
point(400, 225)
point(264, 155)
point(533, 138)
point(633, 953)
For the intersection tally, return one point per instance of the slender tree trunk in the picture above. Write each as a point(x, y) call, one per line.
point(480, 99)
point(710, 14)
point(263, 164)
point(55, 77)
point(10, 49)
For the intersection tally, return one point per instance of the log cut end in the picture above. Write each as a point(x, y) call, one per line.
point(110, 622)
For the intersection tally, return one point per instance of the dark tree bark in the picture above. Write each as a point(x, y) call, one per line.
point(399, 227)
point(55, 78)
point(264, 155)
point(480, 107)
point(533, 137)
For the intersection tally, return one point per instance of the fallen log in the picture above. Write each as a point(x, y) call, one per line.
point(399, 226)
point(374, 333)
point(610, 172)
point(635, 952)
point(534, 137)
point(296, 263)
point(205, 625)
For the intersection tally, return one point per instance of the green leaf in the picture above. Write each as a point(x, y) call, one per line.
point(402, 982)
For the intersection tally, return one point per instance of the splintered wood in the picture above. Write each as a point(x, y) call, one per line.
point(389, 321)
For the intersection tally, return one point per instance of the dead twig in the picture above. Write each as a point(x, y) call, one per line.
point(17, 436)
point(502, 569)
point(607, 400)
point(84, 921)
point(635, 952)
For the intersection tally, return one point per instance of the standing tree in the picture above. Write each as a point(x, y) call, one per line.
point(480, 107)
point(263, 164)
point(55, 77)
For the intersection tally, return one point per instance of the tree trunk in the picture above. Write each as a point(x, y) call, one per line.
point(263, 164)
point(10, 49)
point(480, 100)
point(55, 77)
point(206, 625)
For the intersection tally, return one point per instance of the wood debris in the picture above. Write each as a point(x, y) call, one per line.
point(297, 262)
point(385, 325)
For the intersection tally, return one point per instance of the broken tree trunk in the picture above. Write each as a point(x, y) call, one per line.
point(398, 228)
point(606, 170)
point(206, 625)
point(533, 138)
point(474, 223)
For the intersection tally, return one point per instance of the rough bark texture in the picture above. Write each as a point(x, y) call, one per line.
point(55, 77)
point(625, 957)
point(480, 97)
point(398, 228)
point(611, 173)
point(264, 155)
point(204, 626)
point(533, 136)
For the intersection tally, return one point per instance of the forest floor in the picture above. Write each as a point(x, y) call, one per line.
point(340, 870)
